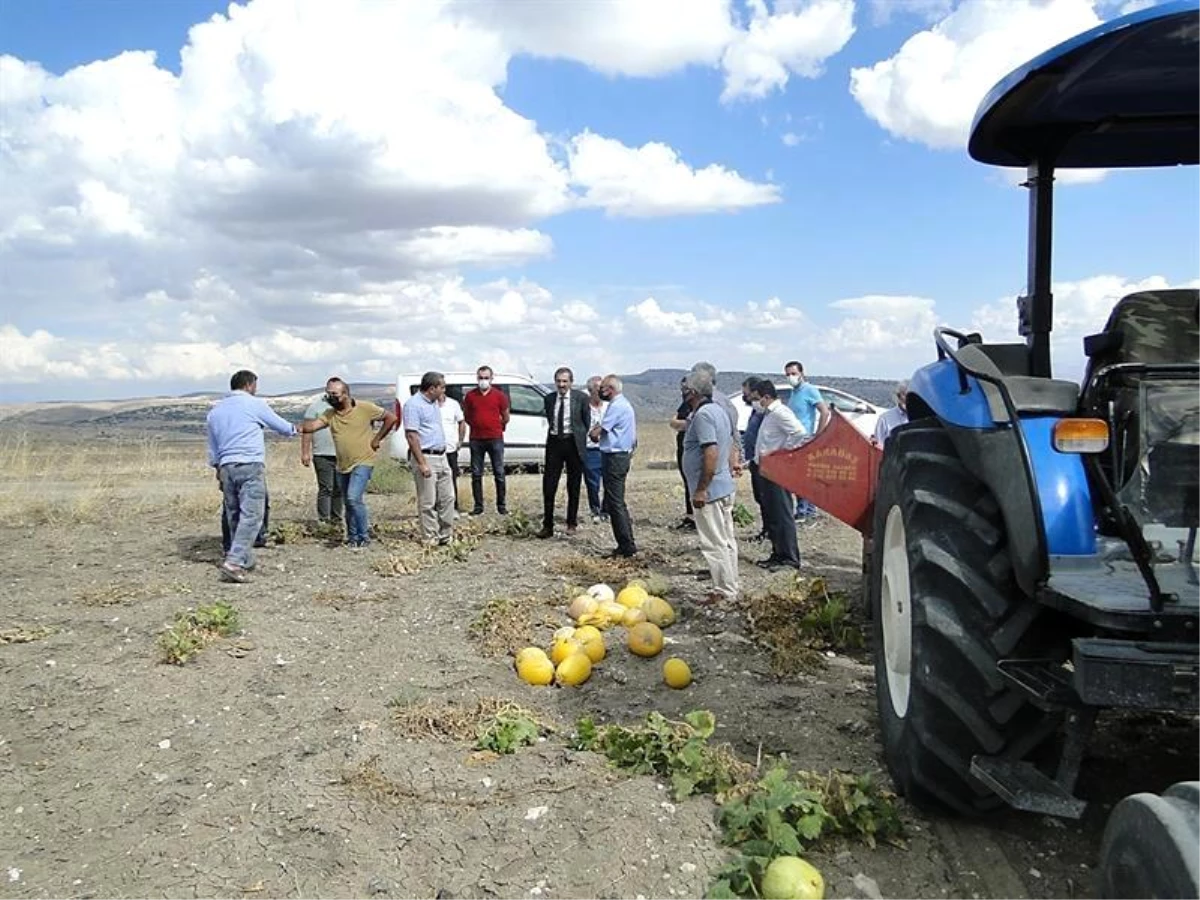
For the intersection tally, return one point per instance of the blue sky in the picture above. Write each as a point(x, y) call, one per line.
point(556, 212)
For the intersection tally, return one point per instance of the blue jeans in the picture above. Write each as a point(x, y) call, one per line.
point(354, 485)
point(244, 488)
point(591, 476)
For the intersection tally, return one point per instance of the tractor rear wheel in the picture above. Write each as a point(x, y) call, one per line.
point(946, 608)
point(1151, 845)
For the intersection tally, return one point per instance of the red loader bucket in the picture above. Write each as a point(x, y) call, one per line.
point(836, 471)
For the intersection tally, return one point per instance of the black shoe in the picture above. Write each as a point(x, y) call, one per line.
point(546, 533)
point(260, 544)
point(771, 563)
point(477, 512)
point(687, 523)
point(502, 510)
point(618, 554)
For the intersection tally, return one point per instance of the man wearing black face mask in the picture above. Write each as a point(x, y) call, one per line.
point(350, 422)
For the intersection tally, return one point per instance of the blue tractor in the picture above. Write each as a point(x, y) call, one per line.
point(1033, 554)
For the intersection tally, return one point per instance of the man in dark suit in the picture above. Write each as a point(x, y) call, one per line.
point(566, 444)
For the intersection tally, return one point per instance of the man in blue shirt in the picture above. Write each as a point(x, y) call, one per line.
point(237, 451)
point(706, 453)
point(812, 411)
point(617, 434)
point(426, 436)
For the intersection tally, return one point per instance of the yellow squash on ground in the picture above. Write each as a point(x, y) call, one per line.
point(645, 639)
point(561, 649)
point(792, 878)
point(534, 667)
point(632, 596)
point(581, 606)
point(658, 611)
point(574, 670)
point(676, 673)
point(633, 617)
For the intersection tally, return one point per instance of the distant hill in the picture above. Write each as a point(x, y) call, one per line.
point(654, 393)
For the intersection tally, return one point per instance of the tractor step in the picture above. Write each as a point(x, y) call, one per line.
point(1024, 786)
point(1133, 675)
point(1047, 683)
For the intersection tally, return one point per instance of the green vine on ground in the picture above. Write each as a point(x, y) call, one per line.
point(782, 813)
point(678, 751)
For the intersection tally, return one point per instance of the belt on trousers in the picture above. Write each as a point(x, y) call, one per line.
point(441, 451)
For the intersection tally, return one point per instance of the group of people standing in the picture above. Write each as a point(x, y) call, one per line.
point(591, 437)
point(711, 454)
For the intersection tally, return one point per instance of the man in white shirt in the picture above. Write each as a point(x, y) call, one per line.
point(892, 418)
point(780, 430)
point(455, 427)
point(317, 450)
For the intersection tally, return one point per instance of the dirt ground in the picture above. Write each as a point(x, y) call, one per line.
point(270, 765)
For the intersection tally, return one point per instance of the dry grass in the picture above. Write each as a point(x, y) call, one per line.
point(50, 481)
point(506, 624)
point(121, 593)
point(413, 559)
point(798, 620)
point(57, 481)
point(588, 570)
point(449, 722)
point(22, 634)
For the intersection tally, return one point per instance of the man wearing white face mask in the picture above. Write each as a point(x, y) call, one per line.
point(812, 411)
point(780, 430)
point(485, 409)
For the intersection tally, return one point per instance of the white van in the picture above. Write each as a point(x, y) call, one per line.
point(862, 414)
point(525, 436)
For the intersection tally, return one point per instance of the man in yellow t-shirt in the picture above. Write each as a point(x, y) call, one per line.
point(355, 442)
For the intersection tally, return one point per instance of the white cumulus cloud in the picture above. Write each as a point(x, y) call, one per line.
point(312, 162)
point(929, 90)
point(1080, 308)
point(758, 53)
point(795, 39)
point(652, 180)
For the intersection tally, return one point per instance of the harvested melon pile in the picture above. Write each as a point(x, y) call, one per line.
point(575, 649)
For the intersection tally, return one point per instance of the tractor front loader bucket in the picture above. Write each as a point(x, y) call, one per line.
point(836, 471)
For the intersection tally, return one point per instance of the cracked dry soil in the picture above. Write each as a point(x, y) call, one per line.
point(270, 765)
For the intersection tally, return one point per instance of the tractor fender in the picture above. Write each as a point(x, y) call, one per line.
point(1046, 503)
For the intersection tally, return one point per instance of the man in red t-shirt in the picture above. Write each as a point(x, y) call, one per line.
point(485, 409)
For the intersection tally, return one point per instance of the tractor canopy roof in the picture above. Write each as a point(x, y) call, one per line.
point(1124, 94)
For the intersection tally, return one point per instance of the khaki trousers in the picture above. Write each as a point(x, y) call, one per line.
point(718, 544)
point(435, 498)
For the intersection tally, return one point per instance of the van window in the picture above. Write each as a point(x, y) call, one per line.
point(840, 401)
point(524, 400)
